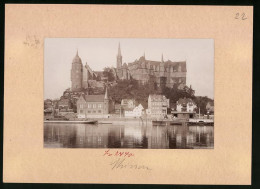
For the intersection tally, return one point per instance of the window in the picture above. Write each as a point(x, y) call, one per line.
point(94, 111)
point(89, 105)
point(94, 105)
point(99, 111)
point(179, 68)
point(99, 105)
point(89, 112)
point(81, 111)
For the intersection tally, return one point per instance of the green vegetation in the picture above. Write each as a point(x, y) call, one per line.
point(131, 89)
point(108, 72)
point(174, 94)
point(201, 102)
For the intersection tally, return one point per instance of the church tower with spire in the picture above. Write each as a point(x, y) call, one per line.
point(76, 73)
point(162, 58)
point(119, 58)
point(106, 103)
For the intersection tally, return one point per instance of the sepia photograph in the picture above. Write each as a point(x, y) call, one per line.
point(136, 94)
point(129, 93)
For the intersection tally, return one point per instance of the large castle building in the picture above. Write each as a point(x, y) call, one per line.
point(163, 73)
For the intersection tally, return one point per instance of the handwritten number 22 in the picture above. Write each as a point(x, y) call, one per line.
point(242, 16)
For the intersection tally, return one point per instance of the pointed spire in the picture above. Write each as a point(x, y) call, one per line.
point(162, 58)
point(106, 96)
point(82, 97)
point(77, 59)
point(119, 50)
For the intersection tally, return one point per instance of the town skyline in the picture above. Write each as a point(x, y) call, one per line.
point(100, 53)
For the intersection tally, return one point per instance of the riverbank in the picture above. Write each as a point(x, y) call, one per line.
point(80, 122)
point(135, 121)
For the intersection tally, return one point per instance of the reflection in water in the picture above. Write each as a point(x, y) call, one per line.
point(57, 135)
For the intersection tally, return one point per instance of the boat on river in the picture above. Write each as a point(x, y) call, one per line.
point(79, 122)
point(168, 122)
point(203, 122)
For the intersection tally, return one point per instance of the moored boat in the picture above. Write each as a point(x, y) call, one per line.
point(79, 122)
point(169, 122)
point(202, 122)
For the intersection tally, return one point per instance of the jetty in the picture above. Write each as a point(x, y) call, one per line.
point(190, 122)
point(169, 122)
point(78, 122)
point(200, 121)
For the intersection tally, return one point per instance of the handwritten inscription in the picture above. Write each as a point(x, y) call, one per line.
point(118, 153)
point(31, 41)
point(241, 16)
point(123, 160)
point(121, 163)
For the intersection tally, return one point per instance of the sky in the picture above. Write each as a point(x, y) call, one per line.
point(102, 52)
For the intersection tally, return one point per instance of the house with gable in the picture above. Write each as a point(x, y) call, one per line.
point(157, 105)
point(93, 106)
point(134, 112)
point(185, 105)
point(185, 108)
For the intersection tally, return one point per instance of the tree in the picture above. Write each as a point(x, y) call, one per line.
point(132, 89)
point(108, 72)
point(201, 103)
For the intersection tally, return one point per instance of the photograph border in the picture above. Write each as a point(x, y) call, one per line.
point(256, 89)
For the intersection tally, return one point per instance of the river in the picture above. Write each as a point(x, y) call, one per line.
point(127, 135)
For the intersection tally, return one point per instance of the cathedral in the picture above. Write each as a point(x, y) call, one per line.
point(162, 73)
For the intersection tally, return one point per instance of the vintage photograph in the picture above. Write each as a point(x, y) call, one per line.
point(129, 93)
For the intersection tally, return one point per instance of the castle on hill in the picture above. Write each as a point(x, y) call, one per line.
point(162, 73)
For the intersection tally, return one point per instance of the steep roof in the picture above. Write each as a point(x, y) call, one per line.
point(94, 98)
point(167, 63)
point(119, 50)
point(81, 99)
point(77, 59)
point(125, 101)
point(157, 98)
point(185, 101)
point(140, 106)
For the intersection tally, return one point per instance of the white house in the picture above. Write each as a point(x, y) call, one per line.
point(128, 103)
point(135, 112)
point(157, 105)
point(185, 105)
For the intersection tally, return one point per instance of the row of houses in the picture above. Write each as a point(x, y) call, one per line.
point(100, 106)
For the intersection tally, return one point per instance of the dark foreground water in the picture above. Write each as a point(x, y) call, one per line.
point(57, 135)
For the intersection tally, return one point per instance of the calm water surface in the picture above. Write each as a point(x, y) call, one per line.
point(130, 135)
